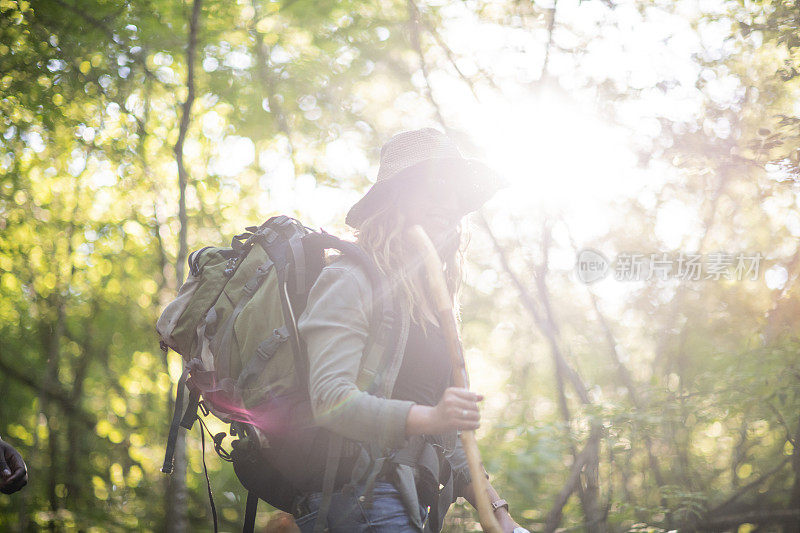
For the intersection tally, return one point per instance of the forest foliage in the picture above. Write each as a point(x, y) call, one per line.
point(667, 404)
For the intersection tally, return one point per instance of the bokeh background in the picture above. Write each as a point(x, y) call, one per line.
point(132, 132)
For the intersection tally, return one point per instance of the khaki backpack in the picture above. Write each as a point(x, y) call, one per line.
point(234, 323)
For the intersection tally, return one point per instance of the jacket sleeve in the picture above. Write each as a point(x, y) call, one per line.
point(334, 327)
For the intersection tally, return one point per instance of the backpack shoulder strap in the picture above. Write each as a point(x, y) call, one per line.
point(379, 340)
point(382, 335)
point(379, 348)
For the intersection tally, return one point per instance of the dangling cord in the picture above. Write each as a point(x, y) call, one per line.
point(217, 439)
point(208, 481)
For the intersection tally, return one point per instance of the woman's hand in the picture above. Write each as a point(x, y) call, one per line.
point(13, 472)
point(507, 523)
point(456, 410)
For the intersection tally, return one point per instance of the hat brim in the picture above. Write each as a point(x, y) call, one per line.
point(477, 183)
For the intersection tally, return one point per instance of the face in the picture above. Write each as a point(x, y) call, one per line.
point(431, 203)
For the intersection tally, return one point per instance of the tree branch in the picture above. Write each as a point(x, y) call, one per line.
point(450, 55)
point(760, 517)
point(551, 25)
point(54, 393)
point(589, 488)
point(553, 518)
point(746, 488)
point(413, 21)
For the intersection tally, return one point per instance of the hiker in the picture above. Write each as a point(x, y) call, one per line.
point(410, 430)
point(13, 472)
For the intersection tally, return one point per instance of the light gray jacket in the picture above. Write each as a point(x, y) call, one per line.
point(335, 326)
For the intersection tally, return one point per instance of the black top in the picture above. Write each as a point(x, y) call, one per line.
point(425, 371)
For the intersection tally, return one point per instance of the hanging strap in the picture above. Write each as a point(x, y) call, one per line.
point(417, 461)
point(421, 454)
point(208, 481)
point(369, 485)
point(250, 509)
point(328, 481)
point(190, 414)
point(169, 455)
point(443, 502)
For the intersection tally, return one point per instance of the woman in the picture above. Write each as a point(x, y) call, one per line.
point(409, 425)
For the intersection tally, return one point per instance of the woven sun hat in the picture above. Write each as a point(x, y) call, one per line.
point(423, 154)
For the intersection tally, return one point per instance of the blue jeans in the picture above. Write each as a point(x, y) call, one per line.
point(387, 514)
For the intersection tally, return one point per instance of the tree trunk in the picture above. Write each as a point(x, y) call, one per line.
point(794, 497)
point(177, 494)
point(268, 85)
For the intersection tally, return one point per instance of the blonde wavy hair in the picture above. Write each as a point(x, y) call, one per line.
point(382, 236)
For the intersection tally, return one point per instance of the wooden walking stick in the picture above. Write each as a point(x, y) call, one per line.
point(447, 320)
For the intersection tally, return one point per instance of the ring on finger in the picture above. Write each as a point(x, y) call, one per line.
point(464, 413)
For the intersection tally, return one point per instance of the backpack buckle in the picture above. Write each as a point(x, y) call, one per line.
point(267, 234)
point(230, 267)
